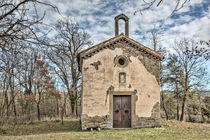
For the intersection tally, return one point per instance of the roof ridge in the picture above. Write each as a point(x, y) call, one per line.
point(106, 43)
point(144, 46)
point(100, 43)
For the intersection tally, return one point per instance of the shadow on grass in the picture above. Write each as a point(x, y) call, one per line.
point(41, 127)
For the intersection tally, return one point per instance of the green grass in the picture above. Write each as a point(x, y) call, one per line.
point(49, 130)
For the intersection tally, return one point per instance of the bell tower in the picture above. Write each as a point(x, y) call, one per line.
point(126, 19)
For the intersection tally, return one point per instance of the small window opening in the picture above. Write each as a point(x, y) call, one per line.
point(122, 78)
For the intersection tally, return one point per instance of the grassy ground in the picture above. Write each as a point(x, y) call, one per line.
point(49, 130)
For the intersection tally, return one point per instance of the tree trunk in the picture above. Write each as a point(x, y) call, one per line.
point(177, 99)
point(76, 109)
point(163, 105)
point(63, 108)
point(63, 111)
point(7, 103)
point(12, 84)
point(2, 106)
point(14, 108)
point(183, 108)
point(13, 102)
point(5, 91)
point(38, 103)
point(177, 110)
point(165, 112)
point(38, 111)
point(72, 98)
point(185, 92)
point(72, 107)
point(57, 107)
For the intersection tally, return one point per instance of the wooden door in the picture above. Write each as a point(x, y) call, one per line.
point(122, 111)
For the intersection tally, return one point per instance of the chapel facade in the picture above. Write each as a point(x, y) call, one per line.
point(120, 83)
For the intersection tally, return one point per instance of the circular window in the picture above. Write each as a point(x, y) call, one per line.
point(121, 61)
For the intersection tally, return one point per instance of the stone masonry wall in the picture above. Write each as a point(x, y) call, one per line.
point(101, 76)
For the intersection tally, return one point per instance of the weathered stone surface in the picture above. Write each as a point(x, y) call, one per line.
point(151, 64)
point(142, 122)
point(141, 77)
point(152, 121)
point(156, 111)
point(142, 80)
point(96, 64)
point(95, 122)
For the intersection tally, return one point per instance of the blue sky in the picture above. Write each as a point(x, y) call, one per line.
point(97, 18)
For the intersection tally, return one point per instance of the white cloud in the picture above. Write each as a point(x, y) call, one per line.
point(198, 29)
point(99, 16)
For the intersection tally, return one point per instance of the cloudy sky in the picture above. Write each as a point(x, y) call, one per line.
point(97, 18)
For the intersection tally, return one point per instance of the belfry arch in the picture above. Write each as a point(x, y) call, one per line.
point(126, 19)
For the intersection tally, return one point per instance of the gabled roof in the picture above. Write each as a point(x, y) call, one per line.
point(119, 38)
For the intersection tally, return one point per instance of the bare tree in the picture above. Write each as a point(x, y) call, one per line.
point(8, 69)
point(163, 78)
point(17, 24)
point(68, 42)
point(148, 4)
point(174, 78)
point(43, 83)
point(190, 58)
point(156, 40)
point(17, 21)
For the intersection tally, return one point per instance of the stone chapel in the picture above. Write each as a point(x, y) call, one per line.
point(120, 83)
